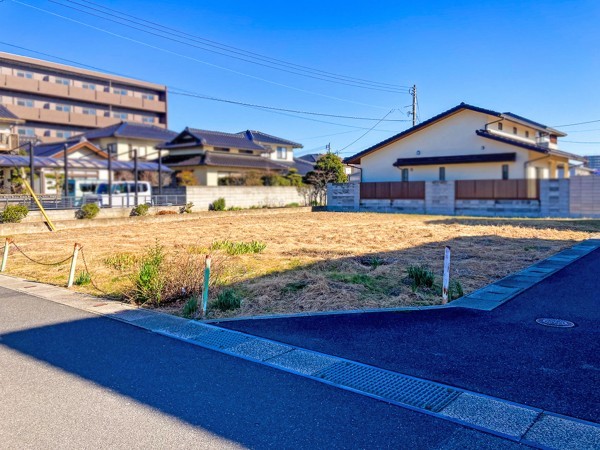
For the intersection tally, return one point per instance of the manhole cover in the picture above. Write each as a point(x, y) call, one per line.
point(557, 323)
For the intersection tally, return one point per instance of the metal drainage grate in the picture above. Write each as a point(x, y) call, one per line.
point(390, 386)
point(557, 323)
point(221, 339)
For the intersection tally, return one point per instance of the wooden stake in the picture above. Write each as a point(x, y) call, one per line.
point(5, 254)
point(76, 248)
point(446, 280)
point(206, 280)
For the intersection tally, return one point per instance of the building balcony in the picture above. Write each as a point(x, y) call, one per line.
point(74, 93)
point(155, 106)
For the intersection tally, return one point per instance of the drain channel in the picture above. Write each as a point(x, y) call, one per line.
point(390, 386)
point(556, 323)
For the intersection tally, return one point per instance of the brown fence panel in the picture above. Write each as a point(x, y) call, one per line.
point(497, 189)
point(391, 190)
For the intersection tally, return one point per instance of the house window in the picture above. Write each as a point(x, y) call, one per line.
point(24, 74)
point(148, 96)
point(62, 81)
point(26, 132)
point(281, 153)
point(25, 102)
point(442, 174)
point(404, 174)
point(526, 134)
point(500, 126)
point(90, 86)
point(505, 171)
point(120, 115)
point(246, 152)
point(112, 148)
point(63, 108)
point(120, 91)
point(89, 111)
point(514, 130)
point(64, 134)
point(147, 119)
point(221, 149)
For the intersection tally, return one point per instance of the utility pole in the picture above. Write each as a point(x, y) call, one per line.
point(413, 92)
point(135, 174)
point(160, 171)
point(31, 167)
point(66, 162)
point(328, 147)
point(109, 149)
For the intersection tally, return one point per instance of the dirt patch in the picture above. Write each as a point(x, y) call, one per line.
point(312, 261)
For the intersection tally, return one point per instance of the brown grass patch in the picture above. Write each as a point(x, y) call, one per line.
point(312, 261)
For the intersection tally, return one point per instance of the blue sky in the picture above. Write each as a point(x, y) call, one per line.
point(536, 59)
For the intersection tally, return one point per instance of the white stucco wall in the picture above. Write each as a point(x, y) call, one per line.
point(452, 136)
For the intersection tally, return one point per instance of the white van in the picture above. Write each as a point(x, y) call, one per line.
point(123, 194)
point(77, 189)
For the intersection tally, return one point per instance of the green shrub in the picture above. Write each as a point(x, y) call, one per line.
point(234, 208)
point(13, 213)
point(293, 205)
point(420, 276)
point(227, 300)
point(358, 278)
point(88, 211)
point(455, 290)
point(190, 308)
point(140, 210)
point(82, 279)
point(149, 280)
point(238, 248)
point(187, 208)
point(218, 204)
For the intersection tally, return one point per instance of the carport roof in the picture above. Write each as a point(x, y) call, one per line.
point(77, 163)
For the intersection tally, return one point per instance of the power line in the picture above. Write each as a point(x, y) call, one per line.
point(143, 30)
point(580, 142)
point(194, 94)
point(284, 109)
point(326, 135)
point(584, 131)
point(367, 132)
point(191, 58)
point(236, 50)
point(579, 123)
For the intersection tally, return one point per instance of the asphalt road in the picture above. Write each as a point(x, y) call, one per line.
point(502, 353)
point(69, 379)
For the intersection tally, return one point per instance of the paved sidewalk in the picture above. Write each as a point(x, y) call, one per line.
point(71, 380)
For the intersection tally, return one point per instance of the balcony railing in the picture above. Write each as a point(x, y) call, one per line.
point(50, 89)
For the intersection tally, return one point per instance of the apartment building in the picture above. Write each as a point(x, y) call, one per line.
point(57, 101)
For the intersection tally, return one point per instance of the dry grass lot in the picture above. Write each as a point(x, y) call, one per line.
point(312, 261)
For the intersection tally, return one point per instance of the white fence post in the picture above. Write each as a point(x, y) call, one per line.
point(446, 280)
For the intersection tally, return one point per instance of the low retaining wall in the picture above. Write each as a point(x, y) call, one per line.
point(498, 208)
point(105, 213)
point(11, 229)
point(575, 197)
point(245, 196)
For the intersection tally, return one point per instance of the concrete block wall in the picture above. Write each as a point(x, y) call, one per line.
point(498, 208)
point(439, 197)
point(411, 206)
point(554, 198)
point(572, 197)
point(343, 196)
point(245, 196)
point(584, 196)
